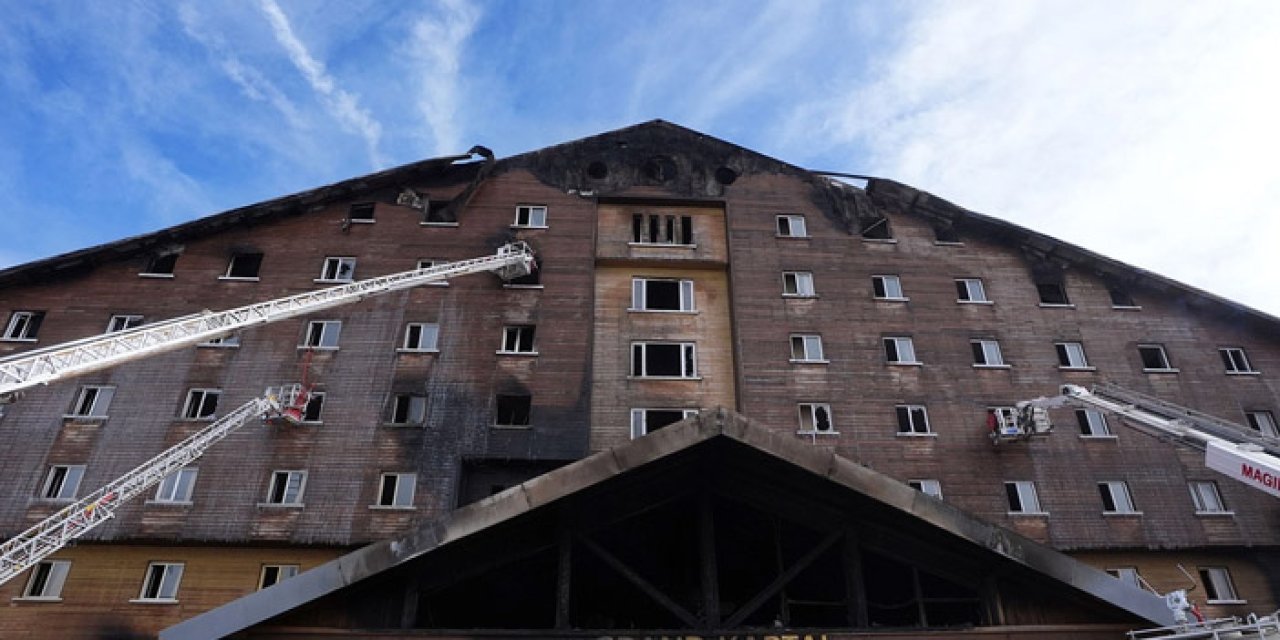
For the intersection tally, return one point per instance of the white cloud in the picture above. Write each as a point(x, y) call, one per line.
point(435, 54)
point(1140, 130)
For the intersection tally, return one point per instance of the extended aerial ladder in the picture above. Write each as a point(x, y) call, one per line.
point(58, 362)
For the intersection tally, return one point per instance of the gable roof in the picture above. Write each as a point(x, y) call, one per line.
point(832, 473)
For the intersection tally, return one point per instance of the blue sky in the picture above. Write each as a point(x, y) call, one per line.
point(1142, 130)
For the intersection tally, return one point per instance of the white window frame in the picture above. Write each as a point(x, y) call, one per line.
point(325, 334)
point(640, 299)
point(62, 482)
point(177, 487)
point(904, 350)
point(290, 494)
point(1028, 499)
point(807, 347)
point(421, 331)
point(791, 225)
point(929, 487)
point(1164, 357)
point(688, 360)
point(1263, 422)
point(282, 572)
point(231, 341)
point(517, 339)
point(1207, 499)
point(640, 423)
point(19, 327)
point(415, 407)
point(161, 582)
point(798, 284)
point(46, 581)
point(1236, 362)
point(1093, 424)
point(1117, 491)
point(1071, 356)
point(123, 322)
point(531, 216)
point(971, 291)
point(92, 401)
point(888, 285)
point(1219, 588)
point(916, 422)
point(333, 268)
point(987, 355)
point(195, 406)
point(403, 489)
point(231, 265)
point(809, 413)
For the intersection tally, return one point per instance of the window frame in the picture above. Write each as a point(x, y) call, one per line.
point(416, 346)
point(411, 400)
point(229, 341)
point(1263, 421)
point(158, 575)
point(93, 394)
point(23, 326)
point(172, 489)
point(640, 424)
point(160, 262)
point(1060, 288)
point(280, 571)
point(275, 490)
point(322, 337)
point(236, 257)
point(521, 337)
point(535, 216)
point(1207, 499)
point(1071, 356)
point(1164, 358)
point(1236, 361)
point(928, 486)
point(317, 398)
point(191, 406)
point(895, 358)
point(50, 582)
point(127, 320)
point(1093, 424)
point(790, 219)
point(401, 479)
point(331, 270)
point(62, 482)
point(662, 229)
point(1218, 583)
point(987, 354)
point(798, 284)
point(525, 399)
point(1117, 498)
point(640, 295)
point(428, 263)
point(965, 289)
point(1027, 496)
point(807, 412)
point(688, 360)
point(908, 416)
point(362, 208)
point(805, 354)
point(884, 285)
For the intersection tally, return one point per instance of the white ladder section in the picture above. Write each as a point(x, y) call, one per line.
point(43, 366)
point(28, 548)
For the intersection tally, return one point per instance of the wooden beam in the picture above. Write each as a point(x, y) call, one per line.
point(640, 583)
point(782, 580)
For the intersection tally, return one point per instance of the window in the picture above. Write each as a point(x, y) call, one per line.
point(338, 270)
point(663, 360)
point(986, 353)
point(815, 418)
point(887, 288)
point(970, 290)
point(792, 226)
point(275, 573)
point(945, 234)
point(645, 421)
point(201, 404)
point(806, 348)
point(23, 325)
point(1127, 575)
point(661, 295)
point(531, 215)
point(931, 488)
point(62, 481)
point(427, 263)
point(421, 336)
point(92, 401)
point(46, 580)
point(1121, 298)
point(407, 409)
point(531, 280)
point(913, 419)
point(1022, 497)
point(161, 583)
point(120, 323)
point(1234, 360)
point(875, 228)
point(517, 339)
point(396, 490)
point(161, 265)
point(1206, 497)
point(177, 486)
point(315, 406)
point(1217, 585)
point(797, 284)
point(1116, 497)
point(1092, 423)
point(657, 228)
point(1263, 422)
point(1153, 358)
point(286, 487)
point(227, 342)
point(361, 212)
point(900, 350)
point(244, 265)
point(1071, 355)
point(1052, 293)
point(322, 334)
point(513, 410)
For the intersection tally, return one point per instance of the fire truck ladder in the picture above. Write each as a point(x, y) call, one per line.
point(43, 366)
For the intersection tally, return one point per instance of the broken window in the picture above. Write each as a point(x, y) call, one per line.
point(396, 490)
point(1235, 361)
point(659, 228)
point(1153, 357)
point(815, 418)
point(663, 360)
point(986, 353)
point(913, 419)
point(531, 215)
point(875, 228)
point(792, 226)
point(517, 339)
point(46, 580)
point(338, 270)
point(900, 350)
point(1121, 297)
point(1263, 422)
point(23, 325)
point(1218, 586)
point(531, 279)
point(661, 295)
point(286, 487)
point(407, 409)
point(513, 410)
point(421, 336)
point(1204, 494)
point(315, 405)
point(177, 486)
point(274, 573)
point(244, 265)
point(1093, 424)
point(201, 404)
point(797, 284)
point(649, 420)
point(1116, 497)
point(887, 288)
point(931, 488)
point(62, 481)
point(361, 212)
point(970, 290)
point(161, 265)
point(92, 401)
point(322, 334)
point(945, 234)
point(123, 322)
point(1022, 496)
point(1052, 293)
point(161, 582)
point(1071, 355)
point(806, 348)
point(438, 212)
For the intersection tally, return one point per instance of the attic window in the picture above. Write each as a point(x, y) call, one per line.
point(1121, 297)
point(161, 265)
point(361, 212)
point(244, 265)
point(1052, 293)
point(875, 228)
point(438, 212)
point(946, 234)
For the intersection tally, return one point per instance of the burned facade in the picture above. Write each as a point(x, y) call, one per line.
point(874, 326)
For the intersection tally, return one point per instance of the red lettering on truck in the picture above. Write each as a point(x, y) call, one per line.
point(1264, 478)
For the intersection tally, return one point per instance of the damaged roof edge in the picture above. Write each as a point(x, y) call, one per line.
point(375, 558)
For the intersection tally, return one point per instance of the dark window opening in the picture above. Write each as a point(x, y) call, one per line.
point(439, 211)
point(408, 409)
point(513, 411)
point(1121, 297)
point(244, 265)
point(655, 419)
point(946, 234)
point(362, 211)
point(518, 339)
point(662, 295)
point(653, 228)
point(314, 405)
point(1108, 500)
point(875, 228)
point(23, 325)
point(662, 360)
point(1052, 293)
point(162, 265)
point(1153, 357)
